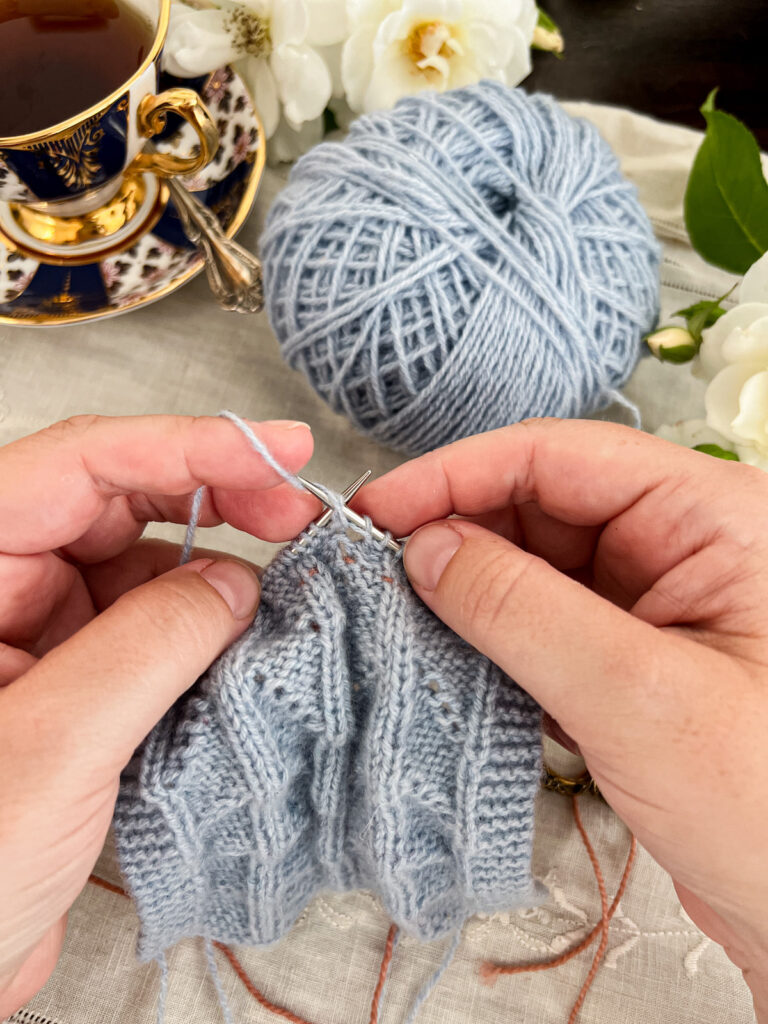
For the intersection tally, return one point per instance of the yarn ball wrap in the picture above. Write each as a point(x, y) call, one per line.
point(464, 261)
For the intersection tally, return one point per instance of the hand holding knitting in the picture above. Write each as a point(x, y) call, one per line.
point(623, 582)
point(99, 633)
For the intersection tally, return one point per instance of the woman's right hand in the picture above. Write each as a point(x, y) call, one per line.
point(623, 582)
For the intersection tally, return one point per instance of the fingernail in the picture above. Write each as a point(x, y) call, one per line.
point(428, 552)
point(290, 424)
point(237, 584)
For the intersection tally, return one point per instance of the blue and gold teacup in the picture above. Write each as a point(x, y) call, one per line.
point(58, 182)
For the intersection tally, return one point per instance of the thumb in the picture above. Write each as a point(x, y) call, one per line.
point(584, 660)
point(94, 698)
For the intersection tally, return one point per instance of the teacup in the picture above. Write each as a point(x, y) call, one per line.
point(76, 167)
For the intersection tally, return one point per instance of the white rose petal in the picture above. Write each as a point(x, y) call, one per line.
point(303, 82)
point(332, 57)
point(751, 456)
point(394, 28)
point(369, 12)
point(289, 23)
point(356, 65)
point(261, 8)
point(393, 78)
point(504, 13)
point(754, 287)
point(327, 22)
point(263, 88)
point(710, 353)
point(489, 47)
point(418, 11)
point(527, 21)
point(519, 67)
point(752, 422)
point(748, 344)
point(722, 398)
point(197, 42)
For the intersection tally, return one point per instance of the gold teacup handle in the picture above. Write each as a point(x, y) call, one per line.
point(151, 117)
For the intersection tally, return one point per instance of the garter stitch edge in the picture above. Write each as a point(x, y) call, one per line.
point(348, 740)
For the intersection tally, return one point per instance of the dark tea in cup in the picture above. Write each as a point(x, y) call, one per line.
point(60, 57)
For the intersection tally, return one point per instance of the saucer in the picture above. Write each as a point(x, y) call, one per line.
point(44, 284)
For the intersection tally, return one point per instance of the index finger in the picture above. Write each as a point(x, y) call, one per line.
point(56, 483)
point(582, 472)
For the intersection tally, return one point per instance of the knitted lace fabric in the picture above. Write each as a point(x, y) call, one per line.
point(348, 740)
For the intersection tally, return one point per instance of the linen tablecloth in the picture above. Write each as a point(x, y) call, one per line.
point(183, 355)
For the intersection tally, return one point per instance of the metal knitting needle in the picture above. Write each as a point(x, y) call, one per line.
point(352, 517)
point(347, 494)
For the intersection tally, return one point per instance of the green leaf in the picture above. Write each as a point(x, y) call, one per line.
point(702, 315)
point(545, 22)
point(678, 354)
point(726, 199)
point(717, 451)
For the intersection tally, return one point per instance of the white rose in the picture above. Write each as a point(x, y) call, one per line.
point(734, 359)
point(399, 47)
point(274, 44)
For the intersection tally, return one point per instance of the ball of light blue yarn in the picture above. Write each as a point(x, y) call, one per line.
point(466, 260)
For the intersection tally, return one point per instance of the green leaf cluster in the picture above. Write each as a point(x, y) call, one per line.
point(701, 315)
point(726, 200)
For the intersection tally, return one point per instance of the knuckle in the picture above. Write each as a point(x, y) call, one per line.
point(72, 428)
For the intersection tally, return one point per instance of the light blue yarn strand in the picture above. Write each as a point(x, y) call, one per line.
point(261, 449)
point(464, 261)
point(194, 519)
point(634, 413)
point(427, 990)
point(163, 994)
point(214, 972)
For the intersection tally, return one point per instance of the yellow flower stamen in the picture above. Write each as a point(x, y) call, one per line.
point(430, 46)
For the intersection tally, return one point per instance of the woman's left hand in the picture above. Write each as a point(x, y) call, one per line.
point(100, 632)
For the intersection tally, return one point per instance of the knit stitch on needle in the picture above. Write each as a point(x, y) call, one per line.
point(348, 740)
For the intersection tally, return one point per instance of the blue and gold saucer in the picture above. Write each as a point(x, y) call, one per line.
point(47, 279)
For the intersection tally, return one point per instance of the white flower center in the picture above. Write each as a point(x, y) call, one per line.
point(249, 32)
point(431, 45)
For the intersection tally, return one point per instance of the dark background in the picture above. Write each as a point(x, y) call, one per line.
point(661, 57)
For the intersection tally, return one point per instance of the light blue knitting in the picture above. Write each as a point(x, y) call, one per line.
point(459, 263)
point(348, 740)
